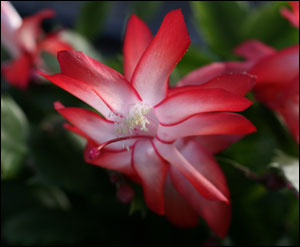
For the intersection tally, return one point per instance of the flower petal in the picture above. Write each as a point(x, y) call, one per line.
point(278, 68)
point(198, 180)
point(177, 210)
point(95, 127)
point(79, 89)
point(216, 143)
point(152, 171)
point(117, 161)
point(52, 43)
point(137, 38)
point(10, 22)
point(113, 88)
point(191, 102)
point(207, 124)
point(292, 16)
point(238, 84)
point(17, 72)
point(28, 33)
point(164, 52)
point(216, 214)
point(253, 50)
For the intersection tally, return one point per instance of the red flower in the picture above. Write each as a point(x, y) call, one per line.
point(292, 16)
point(277, 84)
point(145, 128)
point(25, 41)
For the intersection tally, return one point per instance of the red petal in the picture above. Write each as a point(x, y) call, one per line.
point(196, 178)
point(280, 67)
point(177, 209)
point(216, 214)
point(117, 161)
point(164, 52)
point(18, 71)
point(238, 84)
point(113, 88)
point(95, 127)
point(204, 74)
point(183, 105)
point(207, 124)
point(10, 22)
point(292, 16)
point(28, 33)
point(216, 143)
point(79, 89)
point(289, 108)
point(152, 171)
point(137, 38)
point(53, 44)
point(253, 50)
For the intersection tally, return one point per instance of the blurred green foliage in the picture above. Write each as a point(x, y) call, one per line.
point(50, 196)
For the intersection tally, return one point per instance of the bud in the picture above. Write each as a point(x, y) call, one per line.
point(125, 193)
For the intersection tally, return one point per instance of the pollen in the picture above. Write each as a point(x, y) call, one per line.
point(135, 119)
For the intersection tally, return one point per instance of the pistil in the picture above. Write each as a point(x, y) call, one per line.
point(96, 151)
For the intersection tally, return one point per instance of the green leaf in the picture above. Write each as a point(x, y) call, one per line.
point(42, 227)
point(58, 161)
point(93, 14)
point(267, 24)
point(51, 63)
point(256, 150)
point(220, 23)
point(145, 9)
point(14, 130)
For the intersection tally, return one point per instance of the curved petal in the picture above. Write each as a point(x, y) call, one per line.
point(79, 89)
point(182, 105)
point(216, 214)
point(114, 89)
point(28, 33)
point(95, 127)
point(203, 74)
point(207, 124)
point(238, 84)
point(292, 16)
point(118, 161)
point(53, 44)
point(280, 67)
point(216, 143)
point(137, 38)
point(253, 50)
point(10, 22)
point(152, 171)
point(289, 108)
point(164, 52)
point(205, 187)
point(17, 72)
point(177, 210)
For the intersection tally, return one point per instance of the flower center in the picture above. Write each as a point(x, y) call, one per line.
point(136, 121)
point(139, 122)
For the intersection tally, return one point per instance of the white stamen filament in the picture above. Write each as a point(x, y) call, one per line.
point(135, 118)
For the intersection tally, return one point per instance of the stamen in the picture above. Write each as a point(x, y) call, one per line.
point(96, 151)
